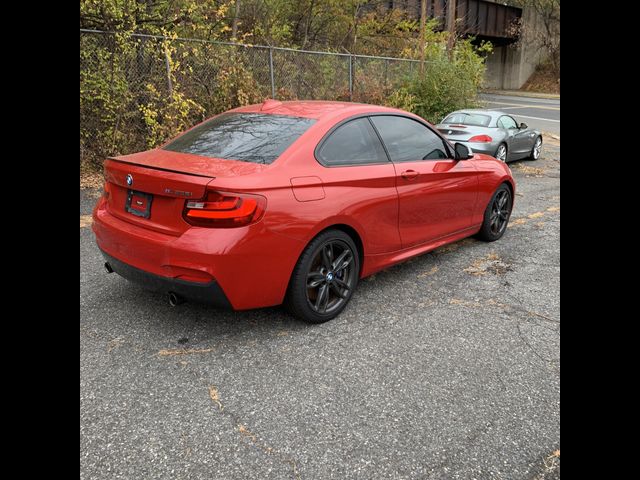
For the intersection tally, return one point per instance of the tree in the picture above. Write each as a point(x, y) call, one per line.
point(546, 38)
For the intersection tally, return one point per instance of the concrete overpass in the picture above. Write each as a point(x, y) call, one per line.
point(509, 66)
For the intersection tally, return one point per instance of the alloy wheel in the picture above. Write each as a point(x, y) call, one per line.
point(331, 277)
point(500, 212)
point(537, 147)
point(501, 154)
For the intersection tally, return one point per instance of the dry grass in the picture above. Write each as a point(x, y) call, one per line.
point(492, 263)
point(535, 215)
point(85, 221)
point(553, 209)
point(183, 351)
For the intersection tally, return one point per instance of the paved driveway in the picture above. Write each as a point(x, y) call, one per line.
point(444, 367)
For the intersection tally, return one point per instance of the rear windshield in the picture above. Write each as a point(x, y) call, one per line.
point(249, 137)
point(468, 119)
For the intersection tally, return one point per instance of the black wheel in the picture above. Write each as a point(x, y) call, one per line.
point(501, 152)
point(496, 216)
point(324, 278)
point(536, 149)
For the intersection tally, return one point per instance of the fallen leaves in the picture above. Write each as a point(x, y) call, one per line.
point(469, 303)
point(517, 221)
point(115, 343)
point(85, 221)
point(552, 461)
point(531, 171)
point(551, 138)
point(429, 273)
point(215, 396)
point(531, 216)
point(183, 351)
point(492, 263)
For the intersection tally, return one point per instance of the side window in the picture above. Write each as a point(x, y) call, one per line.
point(355, 142)
point(409, 140)
point(507, 122)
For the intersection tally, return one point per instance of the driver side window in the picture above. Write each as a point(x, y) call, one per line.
point(507, 122)
point(409, 140)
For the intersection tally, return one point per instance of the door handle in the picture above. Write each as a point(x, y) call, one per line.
point(409, 174)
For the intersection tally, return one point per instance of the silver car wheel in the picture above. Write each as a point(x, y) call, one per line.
point(501, 154)
point(537, 147)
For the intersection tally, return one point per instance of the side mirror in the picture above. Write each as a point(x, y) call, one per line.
point(523, 126)
point(462, 151)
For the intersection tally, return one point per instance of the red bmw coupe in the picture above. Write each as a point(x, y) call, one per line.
point(293, 202)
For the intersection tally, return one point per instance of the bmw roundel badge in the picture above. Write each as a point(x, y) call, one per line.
point(129, 179)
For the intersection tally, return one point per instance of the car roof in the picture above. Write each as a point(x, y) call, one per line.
point(316, 109)
point(482, 111)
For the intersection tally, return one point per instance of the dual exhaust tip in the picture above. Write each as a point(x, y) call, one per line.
point(174, 298)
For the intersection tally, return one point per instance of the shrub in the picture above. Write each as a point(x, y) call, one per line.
point(446, 84)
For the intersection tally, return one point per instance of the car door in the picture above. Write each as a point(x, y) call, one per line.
point(518, 144)
point(360, 182)
point(437, 194)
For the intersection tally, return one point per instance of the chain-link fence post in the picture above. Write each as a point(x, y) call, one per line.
point(350, 78)
point(273, 82)
point(168, 65)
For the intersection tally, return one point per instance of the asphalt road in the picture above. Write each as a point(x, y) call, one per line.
point(445, 367)
point(540, 113)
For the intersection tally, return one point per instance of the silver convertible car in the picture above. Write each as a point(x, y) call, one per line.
point(492, 132)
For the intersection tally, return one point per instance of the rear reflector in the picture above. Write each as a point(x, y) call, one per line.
point(225, 210)
point(481, 139)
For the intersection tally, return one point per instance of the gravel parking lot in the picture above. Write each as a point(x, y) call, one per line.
point(444, 367)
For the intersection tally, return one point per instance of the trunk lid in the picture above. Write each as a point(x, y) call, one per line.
point(150, 189)
point(461, 133)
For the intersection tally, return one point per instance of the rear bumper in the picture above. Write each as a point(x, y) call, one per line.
point(210, 293)
point(251, 265)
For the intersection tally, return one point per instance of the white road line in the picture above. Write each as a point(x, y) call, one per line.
point(523, 105)
point(538, 118)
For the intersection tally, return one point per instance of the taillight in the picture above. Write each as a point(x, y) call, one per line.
point(225, 210)
point(481, 139)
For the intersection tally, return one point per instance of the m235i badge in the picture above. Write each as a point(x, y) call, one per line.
point(180, 193)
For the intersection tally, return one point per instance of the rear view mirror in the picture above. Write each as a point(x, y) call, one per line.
point(523, 126)
point(462, 151)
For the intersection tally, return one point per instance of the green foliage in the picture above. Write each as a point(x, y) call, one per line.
point(446, 84)
point(136, 93)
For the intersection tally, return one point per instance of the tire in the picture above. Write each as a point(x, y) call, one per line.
point(494, 227)
point(498, 152)
point(535, 154)
point(311, 276)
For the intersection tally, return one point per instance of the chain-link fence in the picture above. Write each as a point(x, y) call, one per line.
point(137, 91)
